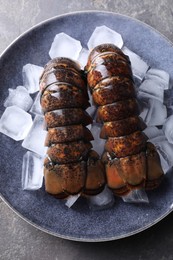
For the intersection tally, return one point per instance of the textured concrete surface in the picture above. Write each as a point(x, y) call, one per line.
point(18, 239)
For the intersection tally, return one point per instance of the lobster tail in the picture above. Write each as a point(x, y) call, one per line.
point(71, 166)
point(130, 161)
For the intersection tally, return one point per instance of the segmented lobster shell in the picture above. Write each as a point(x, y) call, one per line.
point(71, 167)
point(131, 162)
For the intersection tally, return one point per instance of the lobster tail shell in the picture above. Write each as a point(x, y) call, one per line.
point(67, 116)
point(64, 179)
point(71, 167)
point(154, 171)
point(119, 127)
point(131, 162)
point(95, 179)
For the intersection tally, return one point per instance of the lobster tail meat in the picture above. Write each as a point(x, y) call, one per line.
point(130, 161)
point(71, 167)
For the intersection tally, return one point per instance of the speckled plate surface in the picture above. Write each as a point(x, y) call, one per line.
point(37, 207)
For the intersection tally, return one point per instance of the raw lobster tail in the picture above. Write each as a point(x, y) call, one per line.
point(130, 161)
point(71, 166)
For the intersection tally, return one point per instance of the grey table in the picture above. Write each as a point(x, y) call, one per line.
point(19, 240)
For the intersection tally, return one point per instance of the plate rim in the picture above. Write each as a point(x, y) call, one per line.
point(36, 26)
point(73, 238)
point(76, 13)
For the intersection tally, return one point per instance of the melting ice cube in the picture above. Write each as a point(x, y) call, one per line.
point(70, 201)
point(15, 123)
point(153, 131)
point(168, 98)
point(65, 46)
point(36, 107)
point(168, 129)
point(89, 127)
point(144, 108)
point(83, 57)
point(32, 171)
point(35, 139)
point(103, 34)
point(160, 76)
point(155, 113)
point(158, 139)
point(31, 75)
point(103, 200)
point(98, 143)
point(19, 97)
point(165, 149)
point(136, 196)
point(152, 89)
point(139, 66)
point(92, 109)
point(163, 161)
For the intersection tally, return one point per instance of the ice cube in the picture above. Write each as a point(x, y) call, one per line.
point(168, 98)
point(164, 163)
point(103, 34)
point(89, 127)
point(152, 89)
point(36, 107)
point(155, 113)
point(70, 201)
point(48, 79)
point(92, 109)
point(139, 66)
point(15, 123)
point(137, 82)
point(98, 143)
point(159, 75)
point(144, 113)
point(136, 196)
point(103, 200)
point(19, 97)
point(170, 111)
point(158, 139)
point(165, 149)
point(32, 171)
point(64, 45)
point(31, 75)
point(152, 131)
point(144, 108)
point(83, 57)
point(168, 129)
point(35, 139)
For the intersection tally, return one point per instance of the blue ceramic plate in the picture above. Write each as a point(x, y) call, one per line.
point(37, 207)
